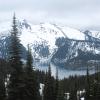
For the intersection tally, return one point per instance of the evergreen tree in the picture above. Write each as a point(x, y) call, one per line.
point(56, 85)
point(49, 86)
point(73, 95)
point(31, 82)
point(2, 89)
point(93, 88)
point(15, 48)
point(87, 85)
point(16, 83)
point(61, 94)
point(29, 63)
point(2, 79)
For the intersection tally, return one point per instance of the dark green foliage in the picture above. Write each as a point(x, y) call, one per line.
point(40, 75)
point(56, 87)
point(31, 82)
point(29, 63)
point(2, 89)
point(93, 86)
point(73, 92)
point(49, 86)
point(87, 96)
point(4, 48)
point(3, 72)
point(15, 48)
point(23, 84)
point(16, 82)
point(60, 95)
point(31, 87)
point(95, 91)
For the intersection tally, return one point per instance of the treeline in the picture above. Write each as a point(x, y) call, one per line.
point(21, 81)
point(76, 87)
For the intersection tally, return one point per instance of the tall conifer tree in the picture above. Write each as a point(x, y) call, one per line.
point(87, 85)
point(16, 84)
point(56, 85)
point(49, 93)
point(2, 80)
point(31, 81)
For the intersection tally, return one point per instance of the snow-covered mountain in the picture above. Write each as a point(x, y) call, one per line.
point(51, 42)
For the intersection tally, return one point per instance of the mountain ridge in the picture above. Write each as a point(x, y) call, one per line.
point(47, 40)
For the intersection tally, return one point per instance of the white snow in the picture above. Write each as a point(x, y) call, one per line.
point(41, 89)
point(48, 33)
point(43, 32)
point(83, 98)
point(71, 33)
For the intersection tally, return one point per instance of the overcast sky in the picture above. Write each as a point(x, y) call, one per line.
point(74, 13)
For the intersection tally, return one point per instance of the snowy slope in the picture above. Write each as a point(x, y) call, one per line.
point(42, 39)
point(71, 33)
point(46, 34)
point(43, 31)
point(49, 33)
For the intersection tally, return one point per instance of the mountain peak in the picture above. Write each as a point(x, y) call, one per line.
point(50, 40)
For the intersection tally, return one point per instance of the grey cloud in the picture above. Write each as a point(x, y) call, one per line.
point(76, 13)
